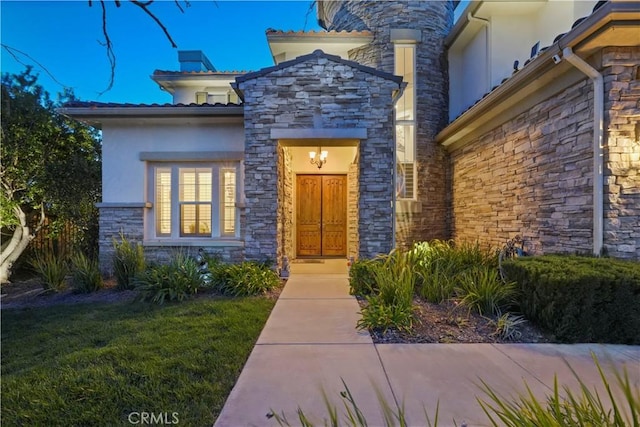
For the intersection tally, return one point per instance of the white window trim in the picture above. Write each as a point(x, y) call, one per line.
point(411, 122)
point(151, 237)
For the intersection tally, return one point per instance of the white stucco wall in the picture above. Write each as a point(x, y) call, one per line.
point(513, 28)
point(124, 174)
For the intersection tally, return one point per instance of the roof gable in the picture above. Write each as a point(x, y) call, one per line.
point(317, 54)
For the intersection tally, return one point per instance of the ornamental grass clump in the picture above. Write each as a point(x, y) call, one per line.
point(392, 305)
point(565, 407)
point(245, 279)
point(86, 276)
point(52, 270)
point(128, 262)
point(175, 281)
point(481, 290)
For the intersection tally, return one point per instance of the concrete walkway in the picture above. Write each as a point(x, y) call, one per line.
point(310, 344)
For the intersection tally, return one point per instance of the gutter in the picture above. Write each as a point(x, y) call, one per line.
point(160, 111)
point(598, 154)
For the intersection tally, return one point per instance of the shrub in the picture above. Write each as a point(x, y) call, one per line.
point(580, 299)
point(482, 290)
point(380, 316)
point(392, 304)
point(361, 277)
point(439, 266)
point(175, 281)
point(86, 275)
point(52, 270)
point(507, 326)
point(128, 261)
point(244, 279)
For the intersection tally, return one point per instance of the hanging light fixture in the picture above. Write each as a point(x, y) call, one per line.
point(319, 157)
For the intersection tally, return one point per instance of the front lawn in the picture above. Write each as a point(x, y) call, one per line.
point(95, 364)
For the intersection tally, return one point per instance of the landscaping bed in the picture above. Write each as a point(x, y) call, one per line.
point(441, 292)
point(445, 323)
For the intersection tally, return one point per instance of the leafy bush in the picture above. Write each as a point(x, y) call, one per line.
point(361, 278)
point(580, 299)
point(244, 279)
point(52, 269)
point(380, 316)
point(86, 275)
point(128, 261)
point(392, 304)
point(482, 290)
point(175, 281)
point(507, 326)
point(439, 266)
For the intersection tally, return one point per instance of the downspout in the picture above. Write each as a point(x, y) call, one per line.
point(484, 23)
point(598, 154)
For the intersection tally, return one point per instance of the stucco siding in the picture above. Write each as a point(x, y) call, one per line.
point(123, 173)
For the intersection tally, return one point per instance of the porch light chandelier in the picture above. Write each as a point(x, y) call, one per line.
point(319, 157)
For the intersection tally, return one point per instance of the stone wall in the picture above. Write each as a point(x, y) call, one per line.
point(114, 222)
point(285, 208)
point(621, 70)
point(129, 221)
point(531, 176)
point(352, 211)
point(317, 91)
point(428, 217)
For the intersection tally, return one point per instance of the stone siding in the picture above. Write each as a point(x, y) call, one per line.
point(352, 211)
point(428, 218)
point(114, 222)
point(285, 195)
point(531, 176)
point(129, 221)
point(317, 92)
point(621, 70)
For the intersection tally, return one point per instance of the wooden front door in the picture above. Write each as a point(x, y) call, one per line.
point(321, 215)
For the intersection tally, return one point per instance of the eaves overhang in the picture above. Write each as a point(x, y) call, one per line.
point(96, 114)
point(614, 24)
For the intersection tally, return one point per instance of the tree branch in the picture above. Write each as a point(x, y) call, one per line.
point(15, 52)
point(109, 46)
point(144, 7)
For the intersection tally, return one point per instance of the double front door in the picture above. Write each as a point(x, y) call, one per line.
point(321, 218)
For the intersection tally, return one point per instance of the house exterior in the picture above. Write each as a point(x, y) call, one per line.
point(428, 129)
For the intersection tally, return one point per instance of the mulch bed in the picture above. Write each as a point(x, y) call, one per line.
point(450, 323)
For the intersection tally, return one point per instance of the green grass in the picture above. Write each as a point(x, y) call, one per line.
point(95, 364)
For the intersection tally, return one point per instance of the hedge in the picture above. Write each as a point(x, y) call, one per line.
point(579, 298)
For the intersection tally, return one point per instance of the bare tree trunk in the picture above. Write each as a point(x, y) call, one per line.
point(20, 240)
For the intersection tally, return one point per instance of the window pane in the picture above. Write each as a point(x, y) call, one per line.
point(187, 185)
point(405, 67)
point(228, 210)
point(204, 219)
point(204, 185)
point(188, 219)
point(163, 201)
point(405, 159)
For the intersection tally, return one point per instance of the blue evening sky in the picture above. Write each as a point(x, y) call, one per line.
point(65, 37)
